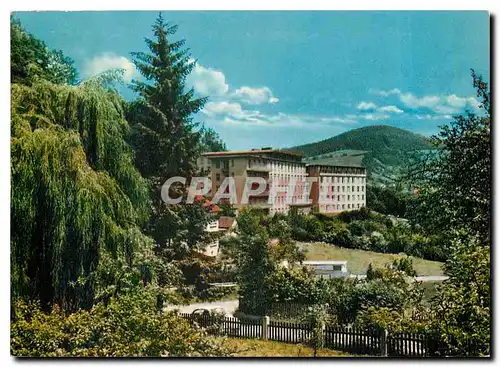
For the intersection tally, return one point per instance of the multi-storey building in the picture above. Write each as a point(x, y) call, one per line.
point(338, 187)
point(203, 164)
point(272, 165)
point(338, 184)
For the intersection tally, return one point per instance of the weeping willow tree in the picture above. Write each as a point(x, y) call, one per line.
point(76, 199)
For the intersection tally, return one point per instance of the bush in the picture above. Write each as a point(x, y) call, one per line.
point(404, 264)
point(126, 327)
point(295, 285)
point(360, 214)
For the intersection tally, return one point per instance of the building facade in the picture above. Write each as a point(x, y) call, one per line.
point(338, 188)
point(337, 185)
point(272, 165)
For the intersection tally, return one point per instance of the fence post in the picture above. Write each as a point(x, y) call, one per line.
point(265, 328)
point(323, 336)
point(383, 342)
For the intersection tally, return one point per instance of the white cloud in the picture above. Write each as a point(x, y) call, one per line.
point(412, 101)
point(443, 105)
point(433, 117)
point(108, 61)
point(374, 117)
point(233, 113)
point(455, 101)
point(207, 81)
point(385, 93)
point(391, 109)
point(222, 108)
point(366, 106)
point(255, 96)
point(444, 109)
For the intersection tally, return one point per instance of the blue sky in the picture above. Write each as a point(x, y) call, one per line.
point(286, 78)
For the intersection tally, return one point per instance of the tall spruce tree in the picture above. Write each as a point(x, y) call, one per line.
point(163, 133)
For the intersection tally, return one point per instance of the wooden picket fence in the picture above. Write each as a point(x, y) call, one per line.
point(226, 326)
point(353, 340)
point(371, 342)
point(289, 332)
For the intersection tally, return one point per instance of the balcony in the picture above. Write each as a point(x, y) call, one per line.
point(258, 168)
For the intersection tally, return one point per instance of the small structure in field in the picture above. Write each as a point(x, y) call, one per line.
point(328, 268)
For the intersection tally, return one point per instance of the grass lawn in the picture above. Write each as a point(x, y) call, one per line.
point(358, 260)
point(266, 348)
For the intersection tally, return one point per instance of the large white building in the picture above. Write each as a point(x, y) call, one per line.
point(274, 166)
point(340, 184)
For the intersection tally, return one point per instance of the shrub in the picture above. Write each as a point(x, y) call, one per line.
point(360, 214)
point(127, 326)
point(296, 285)
point(404, 264)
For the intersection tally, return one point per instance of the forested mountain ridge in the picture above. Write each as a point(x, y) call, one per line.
point(381, 149)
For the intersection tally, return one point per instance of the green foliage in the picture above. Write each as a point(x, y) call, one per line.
point(363, 229)
point(375, 138)
point(316, 316)
point(383, 288)
point(404, 264)
point(211, 141)
point(455, 183)
point(253, 262)
point(462, 308)
point(387, 200)
point(179, 230)
point(128, 326)
point(32, 61)
point(163, 135)
point(454, 203)
point(77, 199)
point(226, 210)
point(294, 285)
point(395, 321)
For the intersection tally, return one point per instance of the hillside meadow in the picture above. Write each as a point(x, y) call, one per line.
point(358, 260)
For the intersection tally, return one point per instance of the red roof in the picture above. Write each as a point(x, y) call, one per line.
point(226, 222)
point(247, 152)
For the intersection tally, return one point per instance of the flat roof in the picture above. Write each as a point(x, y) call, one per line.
point(250, 152)
point(324, 262)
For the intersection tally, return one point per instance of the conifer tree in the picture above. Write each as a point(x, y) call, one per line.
point(163, 133)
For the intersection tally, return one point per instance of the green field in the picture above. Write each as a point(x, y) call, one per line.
point(358, 260)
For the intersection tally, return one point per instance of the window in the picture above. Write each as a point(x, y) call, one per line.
point(362, 197)
point(343, 206)
point(348, 197)
point(217, 164)
point(337, 267)
point(338, 197)
point(343, 188)
point(348, 206)
point(232, 174)
point(358, 188)
point(217, 176)
point(232, 162)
